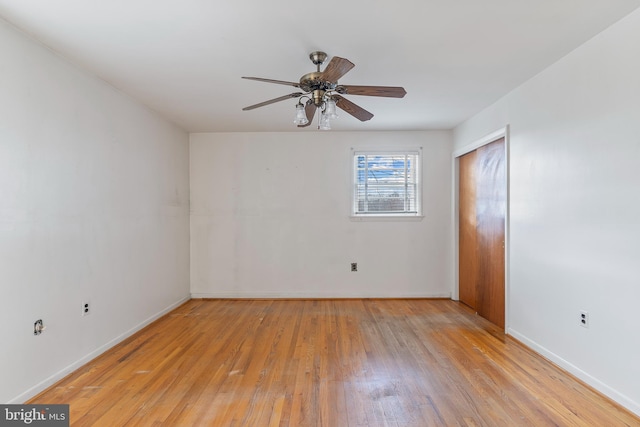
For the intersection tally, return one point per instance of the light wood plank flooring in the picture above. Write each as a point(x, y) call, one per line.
point(327, 363)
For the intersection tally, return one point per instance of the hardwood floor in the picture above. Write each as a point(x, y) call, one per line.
point(327, 363)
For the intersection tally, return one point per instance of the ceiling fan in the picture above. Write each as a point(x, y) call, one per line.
point(322, 91)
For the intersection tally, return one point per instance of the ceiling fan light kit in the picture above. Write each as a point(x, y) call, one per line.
point(321, 91)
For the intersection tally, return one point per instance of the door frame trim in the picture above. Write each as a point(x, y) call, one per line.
point(493, 136)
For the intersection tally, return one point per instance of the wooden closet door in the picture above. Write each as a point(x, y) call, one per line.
point(482, 205)
point(468, 242)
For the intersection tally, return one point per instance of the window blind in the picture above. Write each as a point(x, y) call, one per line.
point(386, 183)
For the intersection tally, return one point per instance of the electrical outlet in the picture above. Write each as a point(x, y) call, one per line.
point(85, 308)
point(354, 266)
point(38, 327)
point(584, 319)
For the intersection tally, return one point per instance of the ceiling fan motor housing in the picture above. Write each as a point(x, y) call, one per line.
point(314, 81)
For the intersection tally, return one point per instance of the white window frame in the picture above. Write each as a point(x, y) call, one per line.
point(355, 214)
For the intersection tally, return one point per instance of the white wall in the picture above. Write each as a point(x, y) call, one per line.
point(575, 209)
point(93, 206)
point(270, 217)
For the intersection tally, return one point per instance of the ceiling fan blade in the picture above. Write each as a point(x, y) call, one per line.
point(274, 100)
point(280, 82)
point(336, 68)
point(388, 91)
point(310, 109)
point(351, 108)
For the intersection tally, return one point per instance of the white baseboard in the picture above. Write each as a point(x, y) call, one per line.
point(579, 373)
point(77, 364)
point(310, 295)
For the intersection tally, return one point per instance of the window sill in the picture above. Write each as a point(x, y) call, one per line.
point(386, 217)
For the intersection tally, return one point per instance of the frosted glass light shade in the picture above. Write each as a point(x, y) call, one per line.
point(325, 123)
point(301, 115)
point(330, 109)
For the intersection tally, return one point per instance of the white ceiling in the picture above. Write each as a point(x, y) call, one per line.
point(184, 59)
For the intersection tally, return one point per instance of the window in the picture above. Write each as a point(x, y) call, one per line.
point(386, 183)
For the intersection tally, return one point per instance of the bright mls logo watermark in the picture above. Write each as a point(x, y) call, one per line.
point(34, 415)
